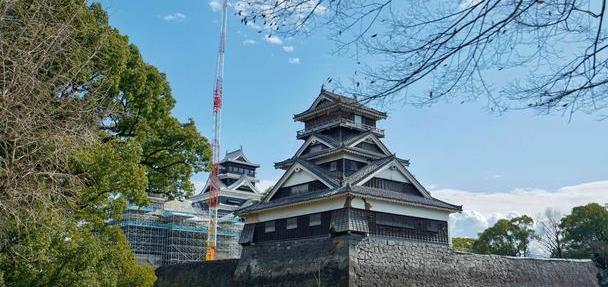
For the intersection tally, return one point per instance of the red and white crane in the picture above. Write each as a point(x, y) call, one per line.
point(214, 175)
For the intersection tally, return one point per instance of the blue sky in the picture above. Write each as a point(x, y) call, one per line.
point(451, 146)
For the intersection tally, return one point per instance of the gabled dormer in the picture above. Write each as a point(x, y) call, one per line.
point(314, 144)
point(388, 174)
point(368, 142)
point(301, 177)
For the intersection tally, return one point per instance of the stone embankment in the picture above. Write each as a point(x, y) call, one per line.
point(364, 261)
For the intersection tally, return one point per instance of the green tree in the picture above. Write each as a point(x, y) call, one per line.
point(463, 243)
point(506, 237)
point(586, 234)
point(85, 127)
point(141, 112)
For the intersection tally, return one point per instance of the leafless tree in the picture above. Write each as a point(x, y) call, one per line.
point(551, 236)
point(547, 55)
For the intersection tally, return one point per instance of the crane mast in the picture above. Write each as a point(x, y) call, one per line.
point(214, 175)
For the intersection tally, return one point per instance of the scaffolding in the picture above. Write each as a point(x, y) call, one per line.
point(161, 237)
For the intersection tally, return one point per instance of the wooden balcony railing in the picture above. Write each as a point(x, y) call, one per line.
point(341, 122)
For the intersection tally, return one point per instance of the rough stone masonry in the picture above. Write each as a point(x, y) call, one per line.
point(380, 262)
point(351, 260)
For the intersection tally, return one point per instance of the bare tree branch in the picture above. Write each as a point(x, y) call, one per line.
point(547, 55)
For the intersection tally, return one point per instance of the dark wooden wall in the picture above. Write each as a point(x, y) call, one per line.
point(404, 227)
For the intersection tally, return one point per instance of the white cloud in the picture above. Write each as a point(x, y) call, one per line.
point(215, 5)
point(248, 42)
point(265, 184)
point(174, 17)
point(272, 39)
point(294, 60)
point(482, 210)
point(288, 49)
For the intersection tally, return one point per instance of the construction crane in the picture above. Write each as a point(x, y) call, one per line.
point(214, 175)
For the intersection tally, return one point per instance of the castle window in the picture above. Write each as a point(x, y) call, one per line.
point(333, 166)
point(269, 226)
point(314, 220)
point(292, 223)
point(394, 220)
point(358, 120)
point(433, 226)
point(352, 165)
point(300, 188)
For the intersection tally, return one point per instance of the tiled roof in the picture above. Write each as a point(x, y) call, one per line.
point(348, 100)
point(353, 139)
point(290, 200)
point(399, 196)
point(368, 169)
point(328, 139)
point(323, 174)
point(341, 100)
point(233, 156)
point(359, 190)
point(330, 151)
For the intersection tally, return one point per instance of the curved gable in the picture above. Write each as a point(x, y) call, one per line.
point(371, 143)
point(321, 101)
point(297, 174)
point(394, 171)
point(243, 182)
point(311, 141)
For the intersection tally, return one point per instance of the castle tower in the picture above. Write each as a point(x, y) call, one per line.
point(344, 180)
point(237, 183)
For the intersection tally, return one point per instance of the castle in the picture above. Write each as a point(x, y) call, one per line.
point(347, 212)
point(343, 179)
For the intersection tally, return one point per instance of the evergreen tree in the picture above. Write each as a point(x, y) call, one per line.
point(506, 237)
point(85, 127)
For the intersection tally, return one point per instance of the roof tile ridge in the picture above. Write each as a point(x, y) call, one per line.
point(358, 137)
point(324, 137)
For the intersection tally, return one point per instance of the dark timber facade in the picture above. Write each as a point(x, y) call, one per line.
point(237, 184)
point(342, 181)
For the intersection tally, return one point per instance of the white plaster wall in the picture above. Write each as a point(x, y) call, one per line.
point(392, 174)
point(298, 178)
point(297, 210)
point(401, 209)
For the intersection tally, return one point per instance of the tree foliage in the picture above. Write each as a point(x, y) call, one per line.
point(548, 55)
point(85, 127)
point(506, 237)
point(463, 243)
point(586, 234)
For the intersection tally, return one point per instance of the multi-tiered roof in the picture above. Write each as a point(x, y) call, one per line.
point(344, 168)
point(237, 183)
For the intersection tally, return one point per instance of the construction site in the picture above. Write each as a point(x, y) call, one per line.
point(175, 231)
point(204, 228)
point(171, 232)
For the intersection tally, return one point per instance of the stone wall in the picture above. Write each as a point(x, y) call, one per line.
point(299, 262)
point(352, 260)
point(382, 262)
